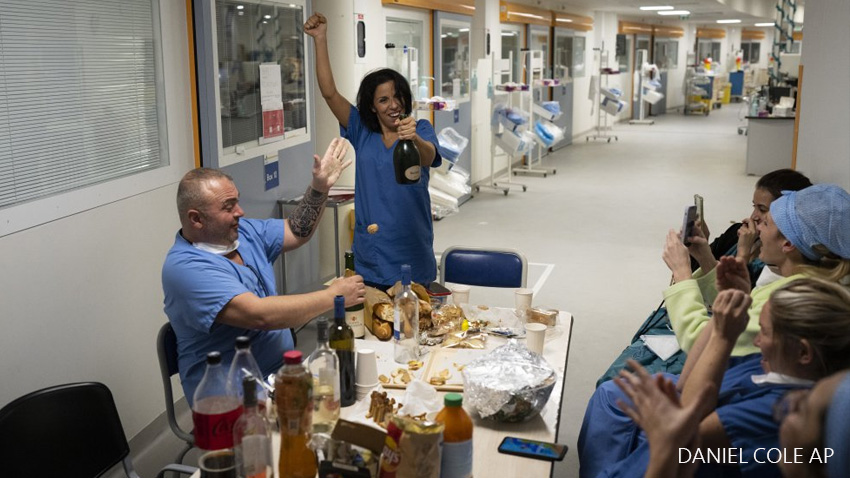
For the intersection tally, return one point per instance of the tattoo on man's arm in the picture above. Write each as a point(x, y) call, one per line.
point(303, 219)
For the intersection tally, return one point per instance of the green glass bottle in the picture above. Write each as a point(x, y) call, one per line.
point(342, 341)
point(354, 314)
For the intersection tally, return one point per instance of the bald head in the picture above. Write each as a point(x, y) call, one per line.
point(192, 190)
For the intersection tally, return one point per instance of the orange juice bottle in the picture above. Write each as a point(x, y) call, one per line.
point(456, 461)
point(294, 400)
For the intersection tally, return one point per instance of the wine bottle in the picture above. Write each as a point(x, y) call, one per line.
point(342, 341)
point(354, 314)
point(406, 161)
point(324, 366)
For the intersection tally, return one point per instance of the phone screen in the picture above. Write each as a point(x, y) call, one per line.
point(688, 224)
point(533, 449)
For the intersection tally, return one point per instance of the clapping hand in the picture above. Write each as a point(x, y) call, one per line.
point(732, 273)
point(326, 170)
point(406, 128)
point(656, 408)
point(730, 313)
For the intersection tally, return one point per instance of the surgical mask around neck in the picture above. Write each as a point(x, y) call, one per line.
point(217, 249)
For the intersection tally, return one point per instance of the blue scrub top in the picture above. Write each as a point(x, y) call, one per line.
point(402, 212)
point(198, 284)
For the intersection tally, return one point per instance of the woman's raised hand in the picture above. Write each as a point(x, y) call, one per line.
point(316, 26)
point(748, 234)
point(730, 313)
point(732, 273)
point(676, 257)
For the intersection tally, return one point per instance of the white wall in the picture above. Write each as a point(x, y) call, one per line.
point(81, 296)
point(823, 148)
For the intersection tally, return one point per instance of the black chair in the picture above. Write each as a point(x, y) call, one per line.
point(166, 351)
point(483, 267)
point(66, 431)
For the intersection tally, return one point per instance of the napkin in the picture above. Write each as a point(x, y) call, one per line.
point(664, 346)
point(419, 398)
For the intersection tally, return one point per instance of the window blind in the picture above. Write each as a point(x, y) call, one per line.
point(78, 95)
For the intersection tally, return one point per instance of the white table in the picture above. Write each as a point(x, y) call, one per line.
point(487, 435)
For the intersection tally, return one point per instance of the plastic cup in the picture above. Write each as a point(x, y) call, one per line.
point(522, 301)
point(535, 335)
point(460, 294)
point(364, 390)
point(218, 464)
point(366, 372)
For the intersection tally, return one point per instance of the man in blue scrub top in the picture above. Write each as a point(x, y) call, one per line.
point(218, 277)
point(392, 221)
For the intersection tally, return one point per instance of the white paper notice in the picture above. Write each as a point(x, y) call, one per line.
point(271, 93)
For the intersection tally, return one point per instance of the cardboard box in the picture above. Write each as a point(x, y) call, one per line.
point(361, 435)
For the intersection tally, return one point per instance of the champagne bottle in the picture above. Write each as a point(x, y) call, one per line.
point(342, 341)
point(406, 321)
point(406, 161)
point(354, 314)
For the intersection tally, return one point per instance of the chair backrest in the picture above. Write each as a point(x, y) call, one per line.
point(483, 267)
point(71, 430)
point(166, 351)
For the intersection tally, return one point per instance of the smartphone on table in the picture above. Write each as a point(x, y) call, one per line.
point(688, 224)
point(533, 449)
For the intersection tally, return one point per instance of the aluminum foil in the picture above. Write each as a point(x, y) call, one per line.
point(510, 384)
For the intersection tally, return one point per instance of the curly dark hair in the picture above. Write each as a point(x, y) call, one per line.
point(366, 95)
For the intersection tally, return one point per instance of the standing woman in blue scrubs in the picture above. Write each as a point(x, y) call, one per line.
point(392, 221)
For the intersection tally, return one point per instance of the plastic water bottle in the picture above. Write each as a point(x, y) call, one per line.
point(214, 410)
point(406, 321)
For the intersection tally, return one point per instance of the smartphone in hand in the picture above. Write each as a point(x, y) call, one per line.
point(533, 449)
point(688, 224)
point(698, 202)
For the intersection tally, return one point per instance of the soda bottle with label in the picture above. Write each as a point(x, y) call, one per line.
point(214, 410)
point(294, 399)
point(245, 365)
point(456, 456)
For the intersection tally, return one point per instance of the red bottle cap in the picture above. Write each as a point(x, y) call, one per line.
point(292, 357)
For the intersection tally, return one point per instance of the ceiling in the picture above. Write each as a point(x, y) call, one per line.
point(702, 11)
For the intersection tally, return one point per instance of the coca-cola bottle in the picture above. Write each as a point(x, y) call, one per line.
point(214, 410)
point(406, 161)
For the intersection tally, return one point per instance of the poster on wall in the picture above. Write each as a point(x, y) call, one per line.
point(271, 100)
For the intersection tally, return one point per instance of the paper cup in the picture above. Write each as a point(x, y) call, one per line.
point(363, 391)
point(535, 335)
point(218, 464)
point(460, 294)
point(366, 371)
point(522, 301)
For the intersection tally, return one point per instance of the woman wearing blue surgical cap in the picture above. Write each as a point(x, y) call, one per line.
point(806, 234)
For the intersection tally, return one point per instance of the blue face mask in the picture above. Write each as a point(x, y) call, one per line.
point(217, 249)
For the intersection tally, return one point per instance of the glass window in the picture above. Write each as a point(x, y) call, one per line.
point(666, 54)
point(511, 45)
point(578, 57)
point(248, 35)
point(751, 51)
point(454, 46)
point(563, 63)
point(624, 47)
point(539, 40)
point(81, 97)
point(405, 35)
point(706, 48)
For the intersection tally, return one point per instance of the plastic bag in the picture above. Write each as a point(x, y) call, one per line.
point(451, 144)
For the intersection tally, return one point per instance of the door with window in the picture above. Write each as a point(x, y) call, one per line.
point(452, 73)
point(410, 55)
point(568, 61)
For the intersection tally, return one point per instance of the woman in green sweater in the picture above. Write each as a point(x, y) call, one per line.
point(793, 235)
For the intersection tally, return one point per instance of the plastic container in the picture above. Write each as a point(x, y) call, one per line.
point(456, 456)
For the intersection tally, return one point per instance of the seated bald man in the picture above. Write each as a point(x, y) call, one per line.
point(218, 277)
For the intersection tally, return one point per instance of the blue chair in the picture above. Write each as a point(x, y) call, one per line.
point(483, 267)
point(70, 430)
point(166, 351)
